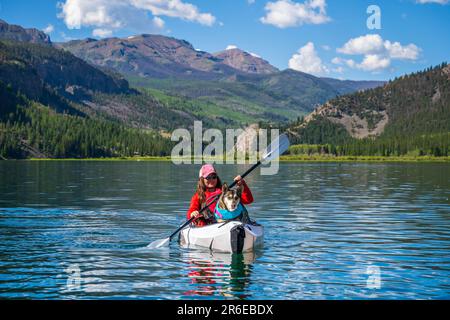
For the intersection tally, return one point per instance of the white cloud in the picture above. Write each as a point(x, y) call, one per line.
point(340, 61)
point(49, 29)
point(433, 1)
point(254, 55)
point(338, 70)
point(231, 47)
point(368, 44)
point(287, 13)
point(337, 60)
point(374, 62)
point(397, 51)
point(378, 53)
point(175, 9)
point(102, 33)
point(251, 1)
point(307, 60)
point(115, 14)
point(158, 22)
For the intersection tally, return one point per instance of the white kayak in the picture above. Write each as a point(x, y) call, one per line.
point(232, 236)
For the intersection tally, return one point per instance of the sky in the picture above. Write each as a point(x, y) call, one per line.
point(351, 39)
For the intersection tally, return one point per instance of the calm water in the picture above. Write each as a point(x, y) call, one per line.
point(333, 231)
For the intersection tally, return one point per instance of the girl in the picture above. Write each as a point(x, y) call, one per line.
point(209, 186)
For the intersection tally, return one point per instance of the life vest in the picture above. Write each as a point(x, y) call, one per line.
point(208, 214)
point(224, 214)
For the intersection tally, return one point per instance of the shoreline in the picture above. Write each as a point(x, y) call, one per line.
point(287, 158)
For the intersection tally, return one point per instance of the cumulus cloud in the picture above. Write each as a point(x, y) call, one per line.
point(102, 33)
point(175, 9)
point(368, 44)
point(157, 21)
point(231, 47)
point(255, 55)
point(374, 62)
point(378, 53)
point(307, 60)
point(110, 15)
point(287, 13)
point(49, 29)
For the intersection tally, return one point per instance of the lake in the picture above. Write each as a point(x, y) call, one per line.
point(78, 230)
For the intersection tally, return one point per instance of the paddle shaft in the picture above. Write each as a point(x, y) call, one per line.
point(256, 165)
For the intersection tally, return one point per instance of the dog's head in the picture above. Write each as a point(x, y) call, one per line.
point(230, 198)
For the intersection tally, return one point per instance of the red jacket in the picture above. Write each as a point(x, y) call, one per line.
point(246, 198)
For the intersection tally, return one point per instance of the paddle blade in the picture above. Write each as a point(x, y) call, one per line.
point(276, 149)
point(159, 243)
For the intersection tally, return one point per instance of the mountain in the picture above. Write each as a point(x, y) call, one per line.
point(175, 83)
point(67, 84)
point(53, 76)
point(349, 86)
point(14, 32)
point(250, 98)
point(153, 56)
point(410, 114)
point(54, 104)
point(244, 61)
point(234, 80)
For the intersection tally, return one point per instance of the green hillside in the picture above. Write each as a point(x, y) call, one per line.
point(416, 108)
point(29, 129)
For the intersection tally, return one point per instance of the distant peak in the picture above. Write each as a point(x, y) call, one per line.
point(231, 47)
point(18, 33)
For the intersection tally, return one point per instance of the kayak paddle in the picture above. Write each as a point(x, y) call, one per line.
point(273, 151)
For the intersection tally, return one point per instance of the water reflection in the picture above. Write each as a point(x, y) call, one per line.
point(219, 274)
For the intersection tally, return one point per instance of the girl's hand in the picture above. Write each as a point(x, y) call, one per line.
point(239, 180)
point(195, 214)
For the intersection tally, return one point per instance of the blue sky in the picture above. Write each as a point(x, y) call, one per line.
point(322, 37)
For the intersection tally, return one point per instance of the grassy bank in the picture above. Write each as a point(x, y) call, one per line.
point(287, 158)
point(325, 158)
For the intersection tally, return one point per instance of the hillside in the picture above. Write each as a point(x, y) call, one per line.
point(66, 83)
point(233, 79)
point(410, 114)
point(30, 129)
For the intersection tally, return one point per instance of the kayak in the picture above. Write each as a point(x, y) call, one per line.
point(230, 236)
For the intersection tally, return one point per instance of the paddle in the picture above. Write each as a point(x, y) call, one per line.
point(273, 151)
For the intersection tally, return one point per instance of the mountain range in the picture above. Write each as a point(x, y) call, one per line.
point(155, 84)
point(232, 79)
point(230, 88)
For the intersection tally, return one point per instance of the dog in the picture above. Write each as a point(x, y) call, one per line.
point(229, 205)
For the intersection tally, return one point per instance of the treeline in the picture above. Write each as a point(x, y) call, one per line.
point(32, 130)
point(325, 137)
point(426, 145)
point(418, 106)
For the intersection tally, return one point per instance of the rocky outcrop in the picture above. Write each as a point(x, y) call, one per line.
point(358, 126)
point(246, 62)
point(17, 33)
point(149, 56)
